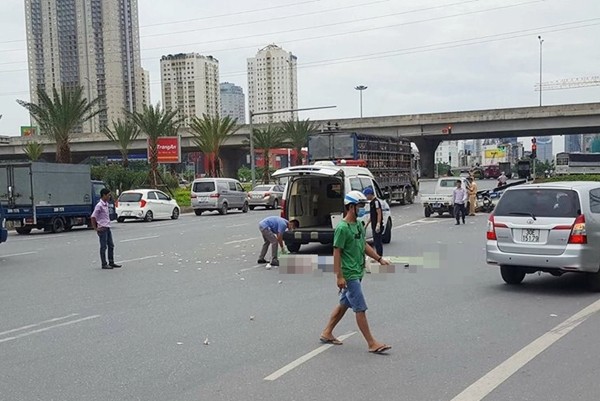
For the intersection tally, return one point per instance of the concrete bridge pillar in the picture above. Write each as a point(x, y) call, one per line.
point(427, 148)
point(232, 159)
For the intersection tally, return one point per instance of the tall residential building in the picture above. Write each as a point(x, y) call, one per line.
point(544, 149)
point(190, 84)
point(448, 153)
point(89, 43)
point(146, 99)
point(233, 102)
point(573, 143)
point(272, 84)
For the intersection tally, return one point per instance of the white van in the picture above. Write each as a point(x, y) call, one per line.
point(314, 195)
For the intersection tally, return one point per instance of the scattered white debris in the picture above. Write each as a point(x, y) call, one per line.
point(553, 315)
point(161, 264)
point(208, 261)
point(279, 282)
point(199, 261)
point(206, 342)
point(199, 268)
point(242, 279)
point(175, 271)
point(179, 343)
point(251, 317)
point(180, 260)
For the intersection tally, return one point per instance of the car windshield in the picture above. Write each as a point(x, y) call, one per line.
point(262, 188)
point(130, 197)
point(448, 183)
point(204, 186)
point(539, 203)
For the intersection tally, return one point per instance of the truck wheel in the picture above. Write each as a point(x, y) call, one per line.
point(149, 216)
point(275, 204)
point(387, 234)
point(23, 230)
point(175, 214)
point(512, 275)
point(427, 212)
point(411, 197)
point(293, 246)
point(57, 225)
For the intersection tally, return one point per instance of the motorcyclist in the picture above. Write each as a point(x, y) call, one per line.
point(502, 180)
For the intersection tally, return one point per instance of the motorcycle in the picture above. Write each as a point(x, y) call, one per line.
point(488, 198)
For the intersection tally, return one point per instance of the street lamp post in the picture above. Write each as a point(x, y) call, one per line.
point(541, 42)
point(360, 89)
point(251, 126)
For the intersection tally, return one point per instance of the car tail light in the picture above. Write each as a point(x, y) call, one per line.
point(143, 203)
point(578, 233)
point(283, 209)
point(266, 195)
point(215, 195)
point(116, 203)
point(193, 196)
point(491, 228)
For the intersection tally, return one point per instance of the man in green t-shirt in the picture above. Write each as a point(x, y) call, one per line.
point(349, 249)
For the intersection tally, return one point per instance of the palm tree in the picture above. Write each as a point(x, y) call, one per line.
point(267, 139)
point(297, 133)
point(60, 115)
point(210, 133)
point(123, 134)
point(33, 150)
point(155, 123)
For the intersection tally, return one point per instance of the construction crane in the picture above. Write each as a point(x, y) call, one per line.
point(569, 83)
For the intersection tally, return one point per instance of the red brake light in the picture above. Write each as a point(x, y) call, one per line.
point(283, 209)
point(215, 195)
point(267, 194)
point(578, 233)
point(117, 203)
point(193, 196)
point(491, 229)
point(143, 203)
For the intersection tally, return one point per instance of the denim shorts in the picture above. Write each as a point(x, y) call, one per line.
point(352, 296)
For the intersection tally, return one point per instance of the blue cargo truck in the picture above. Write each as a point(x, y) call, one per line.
point(47, 196)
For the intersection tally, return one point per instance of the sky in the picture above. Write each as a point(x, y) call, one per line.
point(415, 56)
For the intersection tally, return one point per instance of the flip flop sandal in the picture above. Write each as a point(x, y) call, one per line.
point(381, 349)
point(333, 341)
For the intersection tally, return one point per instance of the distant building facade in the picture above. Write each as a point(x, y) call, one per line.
point(233, 102)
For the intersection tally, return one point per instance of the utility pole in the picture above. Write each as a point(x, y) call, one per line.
point(361, 88)
point(541, 42)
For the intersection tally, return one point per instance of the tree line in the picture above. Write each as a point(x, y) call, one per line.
point(60, 113)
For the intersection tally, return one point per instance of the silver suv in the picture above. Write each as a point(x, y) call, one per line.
point(553, 228)
point(220, 194)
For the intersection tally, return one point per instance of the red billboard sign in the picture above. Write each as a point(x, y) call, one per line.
point(169, 149)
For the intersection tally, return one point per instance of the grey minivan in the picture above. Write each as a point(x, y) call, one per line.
point(551, 227)
point(220, 194)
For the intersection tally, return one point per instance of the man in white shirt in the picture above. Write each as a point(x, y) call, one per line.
point(502, 180)
point(459, 198)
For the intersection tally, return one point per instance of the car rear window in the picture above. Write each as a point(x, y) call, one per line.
point(204, 186)
point(448, 183)
point(130, 197)
point(262, 188)
point(539, 202)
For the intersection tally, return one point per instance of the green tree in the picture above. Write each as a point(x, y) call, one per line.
point(297, 133)
point(210, 133)
point(58, 116)
point(155, 123)
point(122, 134)
point(33, 150)
point(265, 140)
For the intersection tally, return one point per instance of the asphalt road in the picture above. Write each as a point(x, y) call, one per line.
point(71, 331)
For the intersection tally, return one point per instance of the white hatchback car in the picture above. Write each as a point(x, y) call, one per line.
point(146, 204)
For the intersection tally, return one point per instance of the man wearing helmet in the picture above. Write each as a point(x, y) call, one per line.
point(349, 249)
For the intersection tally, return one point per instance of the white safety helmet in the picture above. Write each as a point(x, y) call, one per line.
point(355, 198)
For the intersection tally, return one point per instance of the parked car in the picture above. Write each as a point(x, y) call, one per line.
point(268, 196)
point(552, 228)
point(314, 196)
point(220, 194)
point(492, 171)
point(146, 204)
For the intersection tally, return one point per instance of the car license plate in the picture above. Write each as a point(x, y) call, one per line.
point(530, 235)
point(203, 199)
point(126, 213)
point(437, 205)
point(257, 196)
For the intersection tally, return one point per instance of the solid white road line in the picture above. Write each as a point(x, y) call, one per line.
point(238, 225)
point(29, 326)
point(26, 334)
point(138, 259)
point(276, 375)
point(241, 240)
point(18, 254)
point(484, 386)
point(140, 238)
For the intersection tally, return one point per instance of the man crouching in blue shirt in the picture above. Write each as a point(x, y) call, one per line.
point(272, 229)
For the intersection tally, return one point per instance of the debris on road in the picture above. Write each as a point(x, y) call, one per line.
point(206, 342)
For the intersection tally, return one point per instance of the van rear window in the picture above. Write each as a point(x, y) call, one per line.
point(539, 202)
point(204, 186)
